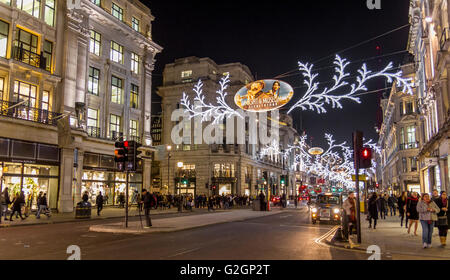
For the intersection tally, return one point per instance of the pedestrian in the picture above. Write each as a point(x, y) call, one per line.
point(99, 202)
point(262, 199)
point(392, 201)
point(17, 206)
point(296, 201)
point(401, 202)
point(435, 195)
point(85, 197)
point(42, 205)
point(5, 202)
point(411, 212)
point(373, 210)
point(442, 222)
point(149, 201)
point(427, 210)
point(349, 214)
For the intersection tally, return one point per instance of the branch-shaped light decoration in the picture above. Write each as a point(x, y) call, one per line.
point(315, 101)
point(200, 108)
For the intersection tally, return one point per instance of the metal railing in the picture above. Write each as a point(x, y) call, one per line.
point(30, 58)
point(409, 146)
point(93, 131)
point(24, 112)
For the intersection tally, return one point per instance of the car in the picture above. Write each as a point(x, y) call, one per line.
point(328, 207)
point(276, 200)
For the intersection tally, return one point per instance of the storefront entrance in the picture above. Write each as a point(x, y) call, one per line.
point(224, 189)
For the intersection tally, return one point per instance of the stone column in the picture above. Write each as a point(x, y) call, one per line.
point(146, 91)
point(79, 177)
point(147, 174)
point(66, 180)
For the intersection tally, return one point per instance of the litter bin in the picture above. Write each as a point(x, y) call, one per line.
point(256, 205)
point(83, 210)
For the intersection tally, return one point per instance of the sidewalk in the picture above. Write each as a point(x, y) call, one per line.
point(107, 213)
point(394, 240)
point(183, 223)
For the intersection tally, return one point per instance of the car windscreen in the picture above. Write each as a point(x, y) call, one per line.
point(328, 199)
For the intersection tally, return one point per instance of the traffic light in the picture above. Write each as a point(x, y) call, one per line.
point(121, 152)
point(132, 155)
point(283, 180)
point(365, 158)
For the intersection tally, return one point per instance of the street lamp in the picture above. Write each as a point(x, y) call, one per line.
point(180, 165)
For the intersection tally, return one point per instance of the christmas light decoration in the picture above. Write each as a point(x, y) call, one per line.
point(312, 100)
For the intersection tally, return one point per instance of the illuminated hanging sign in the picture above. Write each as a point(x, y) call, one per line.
point(264, 95)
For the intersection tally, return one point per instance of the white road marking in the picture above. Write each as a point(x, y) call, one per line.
point(184, 252)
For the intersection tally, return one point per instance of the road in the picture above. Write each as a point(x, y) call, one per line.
point(287, 236)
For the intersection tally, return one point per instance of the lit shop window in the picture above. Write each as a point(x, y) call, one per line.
point(135, 63)
point(49, 14)
point(135, 24)
point(32, 7)
point(117, 12)
point(116, 90)
point(95, 43)
point(116, 52)
point(4, 33)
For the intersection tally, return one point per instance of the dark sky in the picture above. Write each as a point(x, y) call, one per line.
point(270, 37)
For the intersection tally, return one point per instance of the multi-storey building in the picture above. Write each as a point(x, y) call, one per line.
point(429, 42)
point(400, 140)
point(74, 77)
point(219, 169)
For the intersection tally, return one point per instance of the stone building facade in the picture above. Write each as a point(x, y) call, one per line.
point(75, 76)
point(217, 169)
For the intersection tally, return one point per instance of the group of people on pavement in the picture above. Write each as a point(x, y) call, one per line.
point(17, 203)
point(430, 211)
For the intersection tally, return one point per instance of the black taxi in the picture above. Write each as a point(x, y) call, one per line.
point(328, 207)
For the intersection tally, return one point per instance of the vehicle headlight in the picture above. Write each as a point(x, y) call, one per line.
point(336, 211)
point(314, 210)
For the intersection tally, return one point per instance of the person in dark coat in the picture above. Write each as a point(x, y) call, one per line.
point(382, 205)
point(392, 200)
point(99, 202)
point(149, 202)
point(373, 210)
point(17, 206)
point(262, 199)
point(85, 197)
point(5, 201)
point(401, 202)
point(411, 212)
point(443, 205)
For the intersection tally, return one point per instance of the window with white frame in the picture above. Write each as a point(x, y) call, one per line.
point(135, 63)
point(92, 118)
point(116, 52)
point(134, 128)
point(134, 96)
point(45, 100)
point(95, 43)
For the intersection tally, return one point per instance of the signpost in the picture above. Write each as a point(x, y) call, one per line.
point(357, 146)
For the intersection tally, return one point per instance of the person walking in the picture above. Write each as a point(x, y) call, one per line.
point(99, 202)
point(262, 201)
point(442, 222)
point(42, 205)
point(373, 210)
point(17, 206)
point(349, 214)
point(392, 201)
point(149, 201)
point(85, 197)
point(401, 203)
point(411, 212)
point(427, 210)
point(5, 202)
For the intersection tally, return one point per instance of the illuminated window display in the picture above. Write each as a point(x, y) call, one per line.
point(31, 179)
point(111, 184)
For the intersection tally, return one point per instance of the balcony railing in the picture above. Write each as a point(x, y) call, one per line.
point(30, 58)
point(409, 146)
point(24, 112)
point(224, 174)
point(94, 132)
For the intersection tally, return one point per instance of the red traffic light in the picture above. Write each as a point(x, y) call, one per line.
point(366, 153)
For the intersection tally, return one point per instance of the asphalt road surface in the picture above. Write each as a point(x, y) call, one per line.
point(286, 236)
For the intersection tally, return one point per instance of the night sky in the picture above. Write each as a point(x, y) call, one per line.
point(270, 37)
